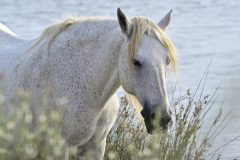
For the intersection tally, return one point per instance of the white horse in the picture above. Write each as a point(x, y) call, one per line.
point(86, 61)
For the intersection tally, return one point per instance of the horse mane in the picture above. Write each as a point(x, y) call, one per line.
point(51, 32)
point(141, 26)
point(133, 101)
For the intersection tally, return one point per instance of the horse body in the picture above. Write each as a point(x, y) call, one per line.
point(65, 72)
point(68, 73)
point(12, 54)
point(88, 79)
point(85, 62)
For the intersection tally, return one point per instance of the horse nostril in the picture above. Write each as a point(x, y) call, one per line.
point(165, 121)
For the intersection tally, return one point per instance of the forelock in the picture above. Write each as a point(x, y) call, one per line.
point(141, 26)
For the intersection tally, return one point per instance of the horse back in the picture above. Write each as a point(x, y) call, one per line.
point(7, 36)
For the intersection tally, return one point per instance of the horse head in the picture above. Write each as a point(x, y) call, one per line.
point(143, 68)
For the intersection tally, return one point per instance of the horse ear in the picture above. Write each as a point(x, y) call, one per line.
point(163, 24)
point(124, 23)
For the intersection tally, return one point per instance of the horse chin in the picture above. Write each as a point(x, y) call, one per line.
point(164, 127)
point(149, 126)
point(149, 118)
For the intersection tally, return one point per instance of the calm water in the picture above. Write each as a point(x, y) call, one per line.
point(201, 29)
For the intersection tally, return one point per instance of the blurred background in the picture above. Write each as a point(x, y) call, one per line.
point(202, 30)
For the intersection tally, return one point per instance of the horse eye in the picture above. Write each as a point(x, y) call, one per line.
point(167, 61)
point(136, 62)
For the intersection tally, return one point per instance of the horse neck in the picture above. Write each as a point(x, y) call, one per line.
point(96, 53)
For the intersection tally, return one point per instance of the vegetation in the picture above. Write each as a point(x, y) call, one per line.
point(183, 141)
point(20, 140)
point(128, 139)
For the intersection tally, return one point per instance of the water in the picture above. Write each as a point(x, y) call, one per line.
point(201, 30)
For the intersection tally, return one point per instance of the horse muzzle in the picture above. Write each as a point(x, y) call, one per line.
point(149, 117)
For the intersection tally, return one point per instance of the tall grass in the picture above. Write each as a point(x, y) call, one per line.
point(128, 139)
point(21, 140)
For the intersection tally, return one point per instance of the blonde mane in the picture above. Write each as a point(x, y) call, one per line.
point(51, 32)
point(133, 101)
point(143, 26)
